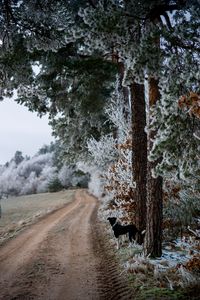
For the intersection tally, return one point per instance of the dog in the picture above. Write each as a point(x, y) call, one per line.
point(124, 229)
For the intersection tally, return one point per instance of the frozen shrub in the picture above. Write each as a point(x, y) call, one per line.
point(65, 176)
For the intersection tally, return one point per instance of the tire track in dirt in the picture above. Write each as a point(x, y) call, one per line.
point(111, 283)
point(65, 256)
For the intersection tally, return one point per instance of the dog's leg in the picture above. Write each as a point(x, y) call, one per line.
point(130, 240)
point(118, 243)
point(124, 238)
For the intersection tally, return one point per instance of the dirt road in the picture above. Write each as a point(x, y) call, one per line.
point(64, 256)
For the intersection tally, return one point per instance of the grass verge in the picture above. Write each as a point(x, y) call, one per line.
point(19, 212)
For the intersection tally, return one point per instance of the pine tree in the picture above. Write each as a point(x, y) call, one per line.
point(139, 152)
point(65, 83)
point(146, 27)
point(153, 236)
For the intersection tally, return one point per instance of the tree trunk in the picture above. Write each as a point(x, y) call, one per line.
point(153, 236)
point(139, 150)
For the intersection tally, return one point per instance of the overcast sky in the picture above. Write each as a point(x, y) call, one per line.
point(21, 130)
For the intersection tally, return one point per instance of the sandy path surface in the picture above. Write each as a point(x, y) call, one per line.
point(64, 256)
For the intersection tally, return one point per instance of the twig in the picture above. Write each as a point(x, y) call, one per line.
point(196, 234)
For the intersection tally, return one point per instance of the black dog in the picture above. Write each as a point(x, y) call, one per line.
point(124, 229)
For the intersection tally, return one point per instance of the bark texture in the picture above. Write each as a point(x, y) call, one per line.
point(153, 237)
point(139, 150)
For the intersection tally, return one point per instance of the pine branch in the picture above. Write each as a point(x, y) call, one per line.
point(161, 10)
point(93, 3)
point(176, 42)
point(196, 234)
point(9, 12)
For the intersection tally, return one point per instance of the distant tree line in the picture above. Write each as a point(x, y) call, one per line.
point(38, 174)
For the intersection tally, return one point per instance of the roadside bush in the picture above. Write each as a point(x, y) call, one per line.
point(55, 185)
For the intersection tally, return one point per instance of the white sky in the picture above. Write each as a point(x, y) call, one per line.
point(21, 130)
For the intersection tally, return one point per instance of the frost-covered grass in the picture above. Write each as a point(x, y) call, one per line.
point(176, 275)
point(18, 212)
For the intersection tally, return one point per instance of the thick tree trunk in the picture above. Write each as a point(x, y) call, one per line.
point(139, 149)
point(153, 237)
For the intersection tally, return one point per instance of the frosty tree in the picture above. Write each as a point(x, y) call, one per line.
point(144, 36)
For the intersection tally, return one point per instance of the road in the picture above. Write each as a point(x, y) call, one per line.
point(64, 256)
